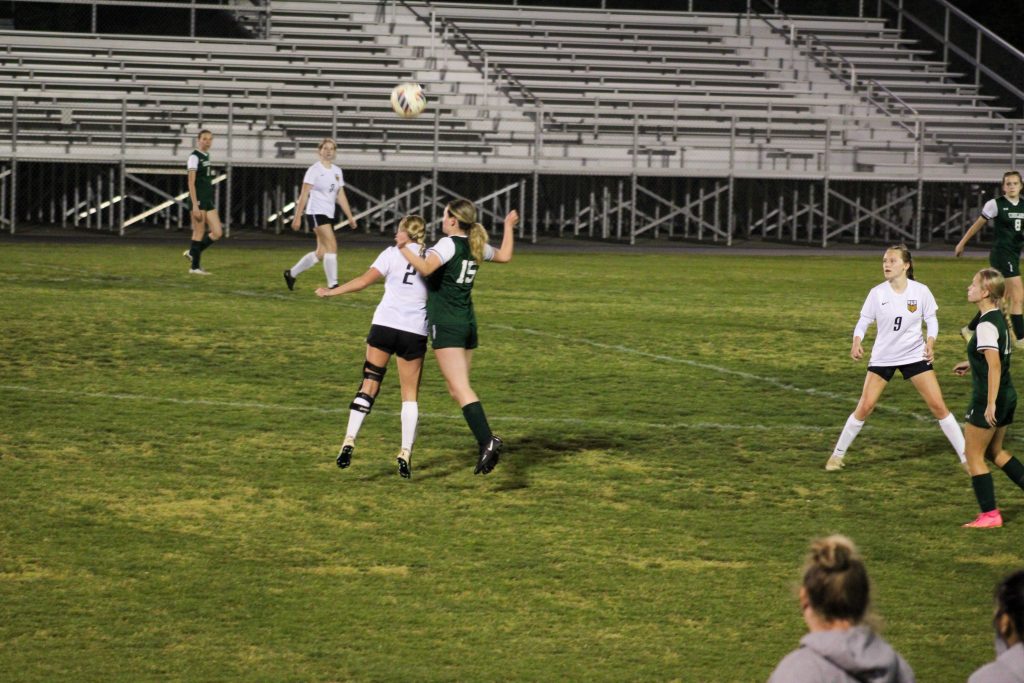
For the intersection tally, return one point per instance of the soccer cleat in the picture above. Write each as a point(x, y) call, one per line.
point(966, 332)
point(405, 464)
point(289, 280)
point(986, 520)
point(489, 456)
point(834, 464)
point(197, 271)
point(345, 454)
point(187, 254)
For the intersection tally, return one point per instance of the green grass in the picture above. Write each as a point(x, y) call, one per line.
point(172, 510)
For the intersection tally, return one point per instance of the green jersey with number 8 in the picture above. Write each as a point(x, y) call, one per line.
point(449, 287)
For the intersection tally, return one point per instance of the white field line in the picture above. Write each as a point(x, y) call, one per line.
point(771, 381)
point(777, 383)
point(276, 407)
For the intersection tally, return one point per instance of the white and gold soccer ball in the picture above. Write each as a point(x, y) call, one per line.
point(408, 100)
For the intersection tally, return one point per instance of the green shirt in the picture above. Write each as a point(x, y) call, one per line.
point(449, 287)
point(1008, 223)
point(204, 173)
point(979, 366)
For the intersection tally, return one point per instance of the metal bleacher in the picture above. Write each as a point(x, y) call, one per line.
point(528, 90)
point(510, 87)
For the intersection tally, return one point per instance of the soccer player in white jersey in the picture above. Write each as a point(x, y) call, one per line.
point(399, 328)
point(898, 306)
point(323, 188)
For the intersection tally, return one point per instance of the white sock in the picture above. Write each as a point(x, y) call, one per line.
point(356, 417)
point(331, 269)
point(305, 263)
point(951, 428)
point(410, 417)
point(850, 432)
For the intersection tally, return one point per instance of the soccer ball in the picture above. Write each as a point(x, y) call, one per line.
point(408, 100)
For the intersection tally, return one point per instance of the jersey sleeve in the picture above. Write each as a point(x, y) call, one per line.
point(193, 162)
point(489, 252)
point(383, 264)
point(445, 249)
point(988, 336)
point(341, 178)
point(990, 210)
point(867, 316)
point(310, 177)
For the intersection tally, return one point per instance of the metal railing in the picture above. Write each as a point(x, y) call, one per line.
point(1006, 76)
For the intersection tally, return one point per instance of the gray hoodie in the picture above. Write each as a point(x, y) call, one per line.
point(1008, 668)
point(855, 655)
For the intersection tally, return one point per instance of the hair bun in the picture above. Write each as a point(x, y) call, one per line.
point(833, 554)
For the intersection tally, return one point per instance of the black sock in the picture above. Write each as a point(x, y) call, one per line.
point(1018, 325)
point(194, 251)
point(474, 414)
point(984, 491)
point(973, 325)
point(1014, 469)
point(206, 241)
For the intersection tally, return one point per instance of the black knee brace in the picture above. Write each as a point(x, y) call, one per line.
point(356, 405)
point(374, 373)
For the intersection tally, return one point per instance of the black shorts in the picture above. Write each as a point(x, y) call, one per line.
point(1006, 260)
point(405, 345)
point(886, 372)
point(315, 220)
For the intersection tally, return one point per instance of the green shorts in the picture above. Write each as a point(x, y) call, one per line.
point(453, 335)
point(1005, 407)
point(205, 202)
point(1006, 260)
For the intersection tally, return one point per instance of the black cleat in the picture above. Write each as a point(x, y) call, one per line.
point(345, 454)
point(289, 280)
point(405, 464)
point(489, 456)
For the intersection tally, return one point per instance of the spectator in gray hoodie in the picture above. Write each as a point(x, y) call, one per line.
point(841, 647)
point(1009, 626)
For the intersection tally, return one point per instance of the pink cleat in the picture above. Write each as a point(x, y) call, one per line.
point(986, 520)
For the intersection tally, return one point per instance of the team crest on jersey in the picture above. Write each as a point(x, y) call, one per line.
point(911, 305)
point(337, 178)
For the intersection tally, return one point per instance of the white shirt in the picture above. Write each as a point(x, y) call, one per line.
point(404, 304)
point(193, 164)
point(324, 194)
point(898, 317)
point(445, 250)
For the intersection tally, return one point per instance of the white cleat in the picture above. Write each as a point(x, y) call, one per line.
point(186, 254)
point(197, 271)
point(834, 464)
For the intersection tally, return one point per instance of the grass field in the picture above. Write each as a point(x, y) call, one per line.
point(172, 511)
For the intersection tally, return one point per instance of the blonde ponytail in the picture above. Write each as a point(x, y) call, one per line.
point(465, 213)
point(477, 241)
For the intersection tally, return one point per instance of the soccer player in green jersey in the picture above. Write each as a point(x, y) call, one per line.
point(1007, 216)
point(450, 267)
point(993, 398)
point(201, 206)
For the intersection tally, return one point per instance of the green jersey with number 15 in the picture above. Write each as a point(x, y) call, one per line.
point(450, 286)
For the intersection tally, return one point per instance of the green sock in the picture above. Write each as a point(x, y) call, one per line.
point(973, 325)
point(474, 414)
point(1018, 325)
point(984, 491)
point(1014, 469)
point(206, 241)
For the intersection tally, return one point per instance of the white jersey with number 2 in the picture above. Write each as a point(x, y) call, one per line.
point(898, 317)
point(404, 304)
